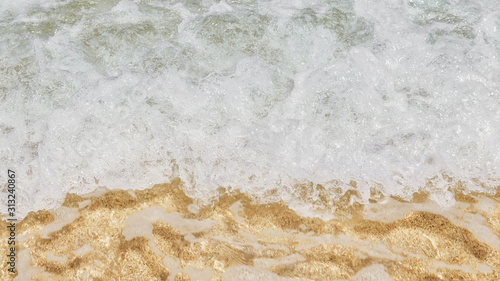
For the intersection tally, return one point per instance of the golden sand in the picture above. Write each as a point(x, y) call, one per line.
point(161, 234)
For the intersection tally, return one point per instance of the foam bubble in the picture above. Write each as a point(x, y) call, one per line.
point(257, 95)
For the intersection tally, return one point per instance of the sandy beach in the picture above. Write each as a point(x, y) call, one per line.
point(162, 234)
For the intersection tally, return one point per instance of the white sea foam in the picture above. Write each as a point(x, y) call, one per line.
point(257, 95)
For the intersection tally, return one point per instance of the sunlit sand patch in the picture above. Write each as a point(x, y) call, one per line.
point(162, 234)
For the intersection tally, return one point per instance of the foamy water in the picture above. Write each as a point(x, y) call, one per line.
point(400, 96)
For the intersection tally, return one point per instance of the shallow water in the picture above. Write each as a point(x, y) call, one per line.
point(263, 96)
point(162, 234)
point(315, 140)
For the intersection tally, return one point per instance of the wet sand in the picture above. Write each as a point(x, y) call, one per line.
point(162, 234)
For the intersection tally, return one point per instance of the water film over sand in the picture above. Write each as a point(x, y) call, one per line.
point(162, 234)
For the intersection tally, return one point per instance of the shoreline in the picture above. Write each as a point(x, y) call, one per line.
point(162, 234)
